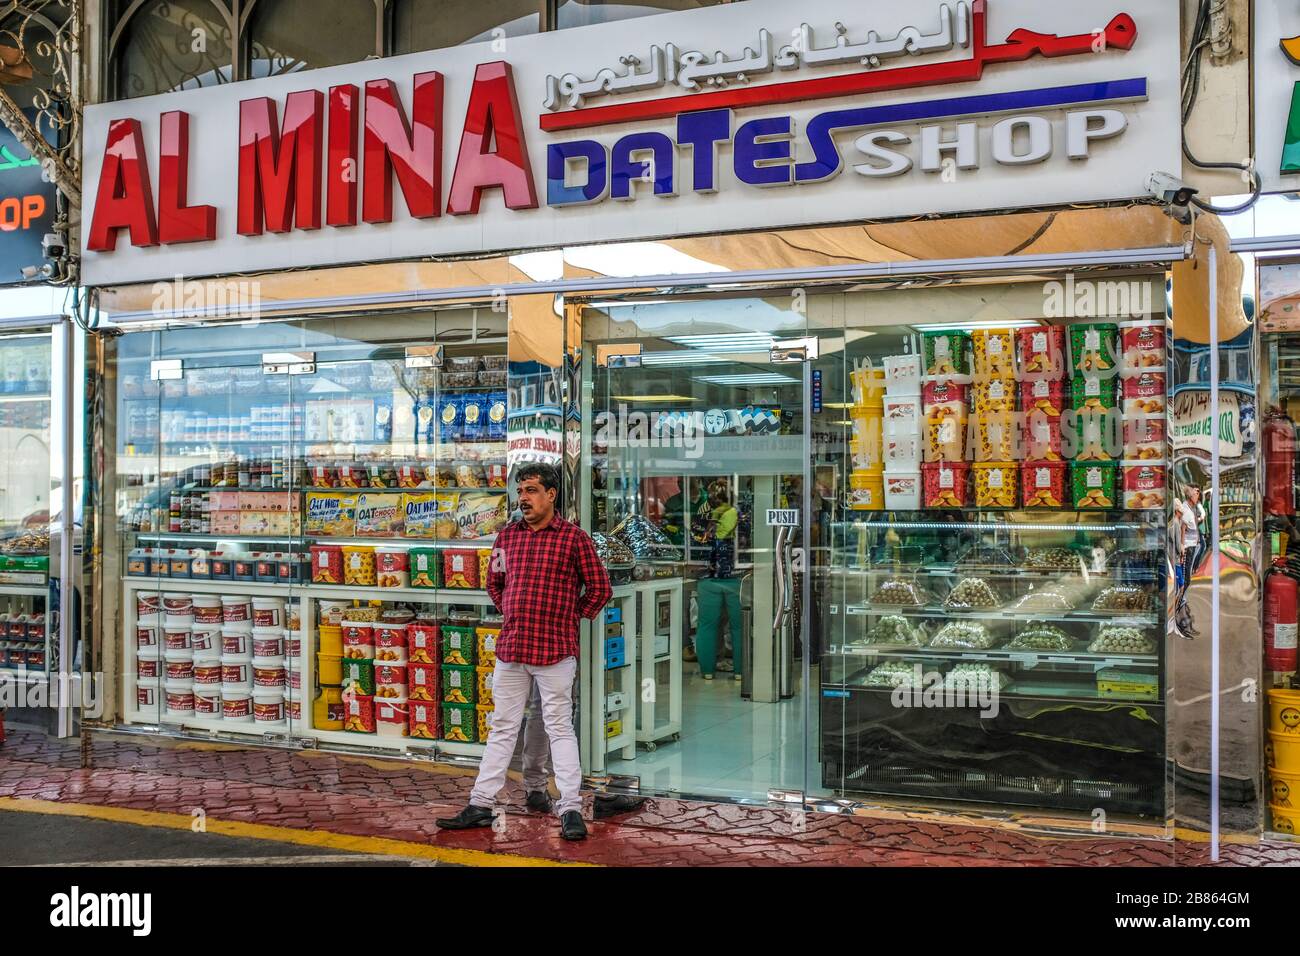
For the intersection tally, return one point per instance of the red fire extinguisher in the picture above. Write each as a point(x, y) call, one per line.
point(1280, 599)
point(1279, 463)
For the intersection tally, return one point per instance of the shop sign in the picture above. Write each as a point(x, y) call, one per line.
point(1192, 422)
point(1276, 66)
point(26, 209)
point(736, 116)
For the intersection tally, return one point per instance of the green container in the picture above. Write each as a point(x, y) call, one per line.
point(1089, 392)
point(1094, 347)
point(459, 685)
point(460, 723)
point(946, 353)
point(458, 645)
point(361, 674)
point(1093, 485)
point(425, 565)
point(18, 563)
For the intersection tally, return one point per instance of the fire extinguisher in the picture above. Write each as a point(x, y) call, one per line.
point(1280, 599)
point(1279, 463)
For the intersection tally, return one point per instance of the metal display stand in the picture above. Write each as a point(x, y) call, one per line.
point(655, 646)
point(621, 682)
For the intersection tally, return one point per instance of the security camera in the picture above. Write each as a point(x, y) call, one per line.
point(54, 246)
point(1173, 192)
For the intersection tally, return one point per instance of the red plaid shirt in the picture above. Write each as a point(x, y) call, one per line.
point(542, 582)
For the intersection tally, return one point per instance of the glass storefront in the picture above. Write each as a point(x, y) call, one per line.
point(979, 475)
point(307, 511)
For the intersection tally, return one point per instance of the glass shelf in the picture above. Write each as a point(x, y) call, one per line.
point(1001, 614)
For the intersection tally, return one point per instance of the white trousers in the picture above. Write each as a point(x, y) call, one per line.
point(511, 684)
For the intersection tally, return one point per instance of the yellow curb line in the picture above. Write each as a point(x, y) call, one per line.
point(261, 831)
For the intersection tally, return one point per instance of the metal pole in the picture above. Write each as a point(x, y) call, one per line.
point(68, 533)
point(1214, 556)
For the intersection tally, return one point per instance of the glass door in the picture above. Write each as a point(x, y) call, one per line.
point(695, 496)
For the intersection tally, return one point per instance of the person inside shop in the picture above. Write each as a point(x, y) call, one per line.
point(544, 575)
point(720, 588)
point(1188, 516)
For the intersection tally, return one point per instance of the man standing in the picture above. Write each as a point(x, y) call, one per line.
point(544, 576)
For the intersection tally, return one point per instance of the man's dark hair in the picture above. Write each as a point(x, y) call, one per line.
point(548, 475)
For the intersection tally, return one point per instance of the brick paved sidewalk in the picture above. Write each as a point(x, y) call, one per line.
point(379, 800)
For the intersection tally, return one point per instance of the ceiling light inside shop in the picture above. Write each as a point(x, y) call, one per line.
point(653, 398)
point(725, 341)
point(682, 357)
point(981, 324)
point(619, 259)
point(755, 378)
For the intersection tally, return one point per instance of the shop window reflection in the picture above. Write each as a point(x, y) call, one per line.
point(171, 45)
point(581, 13)
point(278, 42)
point(434, 24)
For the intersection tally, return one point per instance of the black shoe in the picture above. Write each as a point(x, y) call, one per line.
point(470, 818)
point(608, 805)
point(572, 827)
point(538, 800)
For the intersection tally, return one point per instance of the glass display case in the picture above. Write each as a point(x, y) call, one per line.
point(306, 520)
point(994, 597)
point(27, 499)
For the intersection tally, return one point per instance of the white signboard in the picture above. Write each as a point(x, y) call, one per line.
point(739, 116)
point(783, 517)
point(1191, 422)
point(1276, 66)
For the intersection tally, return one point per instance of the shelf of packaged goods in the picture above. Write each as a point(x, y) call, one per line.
point(1000, 614)
point(297, 733)
point(1067, 693)
point(34, 590)
point(421, 489)
point(24, 676)
point(994, 654)
point(327, 592)
point(1029, 574)
point(1109, 521)
point(302, 542)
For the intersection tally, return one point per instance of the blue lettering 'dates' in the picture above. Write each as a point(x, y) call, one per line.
point(558, 157)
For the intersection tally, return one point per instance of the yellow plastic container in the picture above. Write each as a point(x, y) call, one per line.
point(483, 677)
point(483, 714)
point(1286, 752)
point(868, 386)
point(331, 639)
point(1284, 710)
point(330, 668)
point(1284, 789)
point(1285, 819)
point(327, 709)
point(866, 491)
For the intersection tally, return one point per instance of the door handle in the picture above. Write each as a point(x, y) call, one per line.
point(782, 588)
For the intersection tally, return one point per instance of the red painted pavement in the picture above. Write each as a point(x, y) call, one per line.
point(366, 796)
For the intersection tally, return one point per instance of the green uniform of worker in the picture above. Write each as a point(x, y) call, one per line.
point(721, 590)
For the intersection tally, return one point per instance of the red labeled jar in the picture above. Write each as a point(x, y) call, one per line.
point(1142, 347)
point(1144, 394)
point(1043, 484)
point(1044, 395)
point(1042, 436)
point(945, 484)
point(941, 399)
point(1145, 485)
point(1041, 353)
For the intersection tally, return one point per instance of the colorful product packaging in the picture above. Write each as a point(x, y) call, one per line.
point(483, 686)
point(946, 353)
point(423, 643)
point(459, 685)
point(1093, 392)
point(944, 484)
point(994, 351)
point(326, 564)
point(1144, 485)
point(996, 437)
point(995, 484)
point(1042, 435)
point(379, 515)
point(460, 568)
point(486, 645)
point(423, 682)
point(1143, 347)
point(458, 644)
point(1093, 484)
point(994, 395)
point(331, 514)
point(391, 569)
point(1144, 393)
point(945, 438)
point(1094, 347)
point(359, 714)
point(359, 675)
point(424, 720)
point(425, 567)
point(1042, 484)
point(1144, 437)
point(460, 723)
point(944, 398)
point(359, 566)
point(1043, 395)
point(1042, 353)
